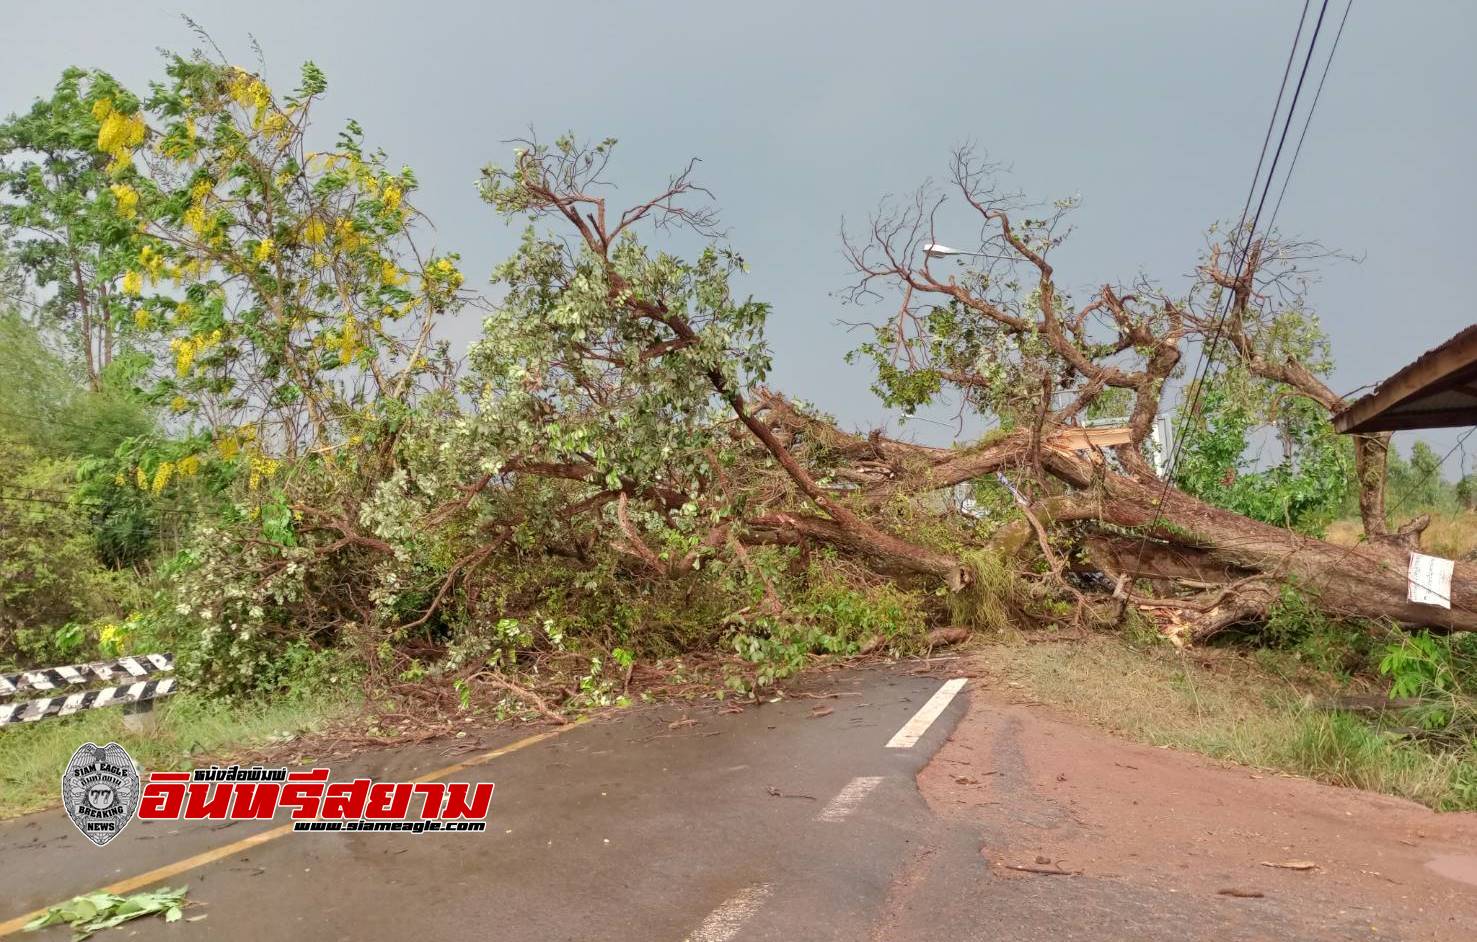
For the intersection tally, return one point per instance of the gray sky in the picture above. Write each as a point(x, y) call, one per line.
point(807, 112)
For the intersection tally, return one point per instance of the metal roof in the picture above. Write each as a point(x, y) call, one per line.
point(1438, 390)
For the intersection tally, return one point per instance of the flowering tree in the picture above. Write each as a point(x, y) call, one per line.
point(285, 281)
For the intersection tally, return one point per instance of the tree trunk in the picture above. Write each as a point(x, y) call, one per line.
point(1192, 543)
point(1363, 581)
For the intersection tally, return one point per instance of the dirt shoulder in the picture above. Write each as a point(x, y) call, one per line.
point(1162, 839)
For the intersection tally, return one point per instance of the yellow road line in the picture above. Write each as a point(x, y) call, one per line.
point(160, 874)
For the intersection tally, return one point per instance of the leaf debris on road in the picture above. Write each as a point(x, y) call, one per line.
point(87, 914)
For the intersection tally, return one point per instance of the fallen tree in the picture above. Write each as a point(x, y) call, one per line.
point(614, 459)
point(606, 480)
point(605, 325)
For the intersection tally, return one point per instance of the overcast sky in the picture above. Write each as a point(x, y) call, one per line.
point(807, 112)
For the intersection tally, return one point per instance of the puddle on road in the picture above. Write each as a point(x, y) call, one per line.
point(1459, 867)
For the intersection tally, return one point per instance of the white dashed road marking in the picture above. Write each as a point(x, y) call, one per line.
point(849, 797)
point(725, 922)
point(913, 730)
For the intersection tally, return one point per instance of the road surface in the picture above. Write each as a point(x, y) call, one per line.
point(796, 820)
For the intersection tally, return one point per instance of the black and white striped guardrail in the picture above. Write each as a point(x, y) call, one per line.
point(53, 678)
point(50, 678)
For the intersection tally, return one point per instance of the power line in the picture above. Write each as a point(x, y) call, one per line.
point(1318, 94)
point(1239, 255)
point(1208, 357)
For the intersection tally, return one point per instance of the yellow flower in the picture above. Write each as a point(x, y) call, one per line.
point(319, 260)
point(277, 126)
point(442, 275)
point(392, 196)
point(189, 466)
point(118, 134)
point(127, 199)
point(186, 349)
point(179, 404)
point(248, 91)
point(152, 261)
point(102, 108)
point(199, 220)
point(348, 341)
point(141, 477)
point(264, 250)
point(142, 319)
point(391, 274)
point(119, 480)
point(184, 355)
point(162, 475)
point(133, 283)
point(346, 235)
point(262, 468)
point(228, 447)
point(314, 231)
point(110, 637)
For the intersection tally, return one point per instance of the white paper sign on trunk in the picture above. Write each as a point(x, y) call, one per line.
point(1430, 580)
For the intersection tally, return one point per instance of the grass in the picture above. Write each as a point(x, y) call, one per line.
point(33, 755)
point(1235, 711)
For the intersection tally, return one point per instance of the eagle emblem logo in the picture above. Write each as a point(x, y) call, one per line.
point(100, 790)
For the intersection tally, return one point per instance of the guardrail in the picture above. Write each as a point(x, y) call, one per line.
point(138, 694)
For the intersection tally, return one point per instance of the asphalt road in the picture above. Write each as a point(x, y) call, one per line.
point(626, 828)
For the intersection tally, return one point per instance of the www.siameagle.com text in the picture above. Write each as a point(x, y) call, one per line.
point(411, 827)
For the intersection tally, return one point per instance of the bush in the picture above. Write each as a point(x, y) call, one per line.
point(55, 594)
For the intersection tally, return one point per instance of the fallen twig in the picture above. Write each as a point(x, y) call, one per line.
point(528, 697)
point(1291, 865)
point(776, 793)
point(1045, 871)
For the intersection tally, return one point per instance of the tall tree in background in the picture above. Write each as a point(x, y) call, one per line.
point(62, 185)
